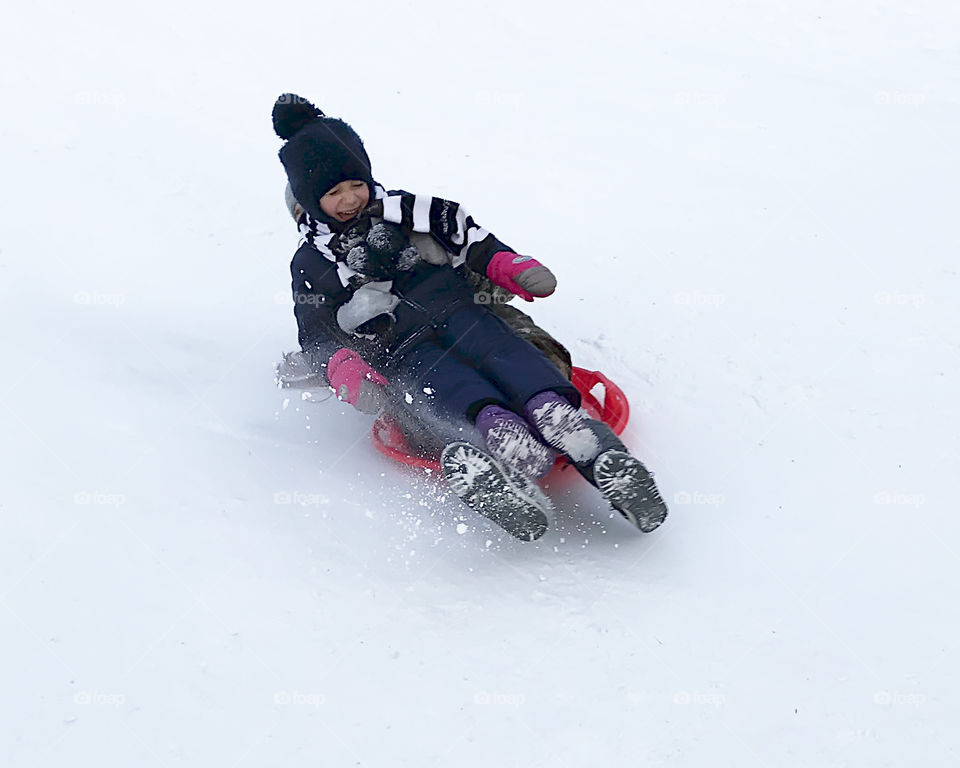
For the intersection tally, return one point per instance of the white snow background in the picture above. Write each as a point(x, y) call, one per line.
point(748, 207)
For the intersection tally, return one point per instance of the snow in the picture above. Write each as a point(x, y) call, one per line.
point(750, 209)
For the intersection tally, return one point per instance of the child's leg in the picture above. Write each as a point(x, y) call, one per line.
point(446, 393)
point(430, 380)
point(436, 382)
point(537, 389)
point(511, 363)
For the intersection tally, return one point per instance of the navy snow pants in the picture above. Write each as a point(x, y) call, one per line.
point(472, 360)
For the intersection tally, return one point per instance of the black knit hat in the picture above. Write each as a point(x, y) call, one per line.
point(320, 152)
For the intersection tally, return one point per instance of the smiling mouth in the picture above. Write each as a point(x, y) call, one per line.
point(350, 214)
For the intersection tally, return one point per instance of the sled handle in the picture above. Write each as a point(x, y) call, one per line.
point(614, 410)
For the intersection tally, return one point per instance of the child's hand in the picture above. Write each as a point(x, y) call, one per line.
point(355, 381)
point(522, 275)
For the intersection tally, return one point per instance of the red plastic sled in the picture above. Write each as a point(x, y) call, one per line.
point(613, 409)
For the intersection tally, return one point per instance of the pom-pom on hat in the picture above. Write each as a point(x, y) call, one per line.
point(320, 152)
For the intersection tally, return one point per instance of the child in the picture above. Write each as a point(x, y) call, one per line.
point(384, 312)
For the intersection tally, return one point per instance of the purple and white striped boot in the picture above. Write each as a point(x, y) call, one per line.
point(510, 438)
point(568, 429)
point(600, 456)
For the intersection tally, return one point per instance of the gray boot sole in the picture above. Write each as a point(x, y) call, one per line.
point(486, 486)
point(629, 487)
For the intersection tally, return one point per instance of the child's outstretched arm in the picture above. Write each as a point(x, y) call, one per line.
point(456, 230)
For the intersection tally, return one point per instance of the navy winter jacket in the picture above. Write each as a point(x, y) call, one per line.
point(427, 292)
point(448, 353)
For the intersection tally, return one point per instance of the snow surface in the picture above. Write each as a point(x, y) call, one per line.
point(747, 205)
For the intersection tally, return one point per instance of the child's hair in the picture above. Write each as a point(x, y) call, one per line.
point(296, 210)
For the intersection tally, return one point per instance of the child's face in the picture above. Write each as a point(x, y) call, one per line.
point(345, 200)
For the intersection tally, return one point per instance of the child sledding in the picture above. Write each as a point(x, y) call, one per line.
point(393, 295)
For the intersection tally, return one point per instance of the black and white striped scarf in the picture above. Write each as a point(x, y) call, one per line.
point(448, 222)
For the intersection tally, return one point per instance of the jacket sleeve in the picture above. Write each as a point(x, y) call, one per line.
point(317, 294)
point(449, 222)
